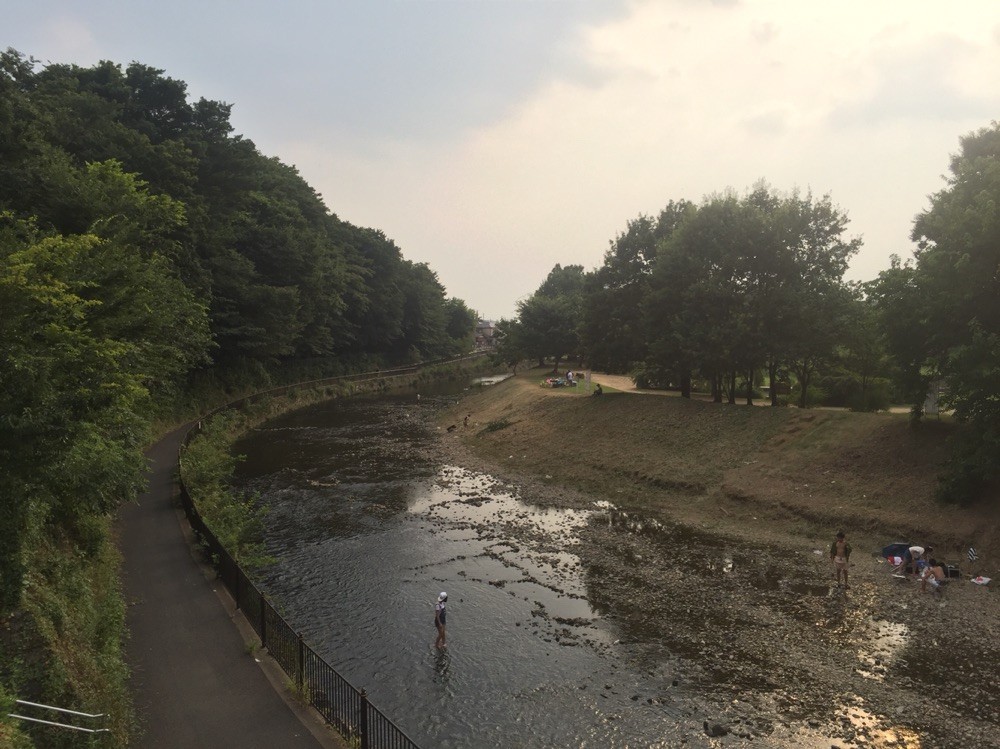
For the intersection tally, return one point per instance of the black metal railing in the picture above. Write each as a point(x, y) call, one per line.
point(342, 705)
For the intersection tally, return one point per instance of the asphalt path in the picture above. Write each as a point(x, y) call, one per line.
point(193, 680)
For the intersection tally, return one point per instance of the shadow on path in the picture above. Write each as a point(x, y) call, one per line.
point(193, 681)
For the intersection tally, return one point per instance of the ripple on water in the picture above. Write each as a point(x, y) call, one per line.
point(541, 652)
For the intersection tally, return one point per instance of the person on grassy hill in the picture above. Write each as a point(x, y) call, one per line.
point(840, 555)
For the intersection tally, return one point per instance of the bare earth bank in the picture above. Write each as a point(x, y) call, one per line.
point(716, 545)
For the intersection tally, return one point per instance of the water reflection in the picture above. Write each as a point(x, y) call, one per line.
point(442, 667)
point(567, 627)
point(878, 651)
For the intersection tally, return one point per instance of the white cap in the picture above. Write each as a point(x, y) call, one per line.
point(443, 596)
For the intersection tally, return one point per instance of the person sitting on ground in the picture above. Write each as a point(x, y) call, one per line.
point(598, 390)
point(933, 576)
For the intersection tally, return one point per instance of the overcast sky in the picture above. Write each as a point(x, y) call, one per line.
point(493, 139)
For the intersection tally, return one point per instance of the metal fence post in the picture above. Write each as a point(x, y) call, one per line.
point(263, 621)
point(364, 719)
point(300, 664)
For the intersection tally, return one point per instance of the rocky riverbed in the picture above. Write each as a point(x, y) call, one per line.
point(756, 625)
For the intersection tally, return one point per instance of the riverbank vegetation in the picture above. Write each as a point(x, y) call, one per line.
point(744, 297)
point(208, 463)
point(153, 263)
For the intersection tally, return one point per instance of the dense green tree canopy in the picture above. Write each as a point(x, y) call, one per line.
point(142, 240)
point(550, 319)
point(957, 283)
point(280, 275)
point(614, 330)
point(747, 283)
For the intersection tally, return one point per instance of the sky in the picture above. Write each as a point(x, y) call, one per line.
point(493, 139)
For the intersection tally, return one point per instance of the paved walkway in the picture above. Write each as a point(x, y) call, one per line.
point(193, 681)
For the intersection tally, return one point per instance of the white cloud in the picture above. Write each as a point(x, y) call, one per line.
point(65, 37)
point(533, 141)
point(692, 99)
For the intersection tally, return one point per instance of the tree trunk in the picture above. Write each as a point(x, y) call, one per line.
point(686, 385)
point(716, 388)
point(731, 388)
point(804, 374)
point(750, 387)
point(772, 376)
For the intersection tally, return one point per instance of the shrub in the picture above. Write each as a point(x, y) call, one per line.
point(496, 425)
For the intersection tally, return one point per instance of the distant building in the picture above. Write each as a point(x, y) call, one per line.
point(485, 332)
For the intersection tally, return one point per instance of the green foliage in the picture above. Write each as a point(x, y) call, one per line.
point(64, 646)
point(122, 154)
point(510, 347)
point(207, 467)
point(549, 320)
point(497, 425)
point(460, 328)
point(955, 338)
point(743, 284)
point(11, 735)
point(141, 243)
point(614, 330)
point(651, 376)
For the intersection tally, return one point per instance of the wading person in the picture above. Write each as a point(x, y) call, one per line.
point(840, 554)
point(439, 620)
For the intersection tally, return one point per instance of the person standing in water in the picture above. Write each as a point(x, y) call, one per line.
point(439, 620)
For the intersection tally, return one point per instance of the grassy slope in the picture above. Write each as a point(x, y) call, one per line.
point(779, 474)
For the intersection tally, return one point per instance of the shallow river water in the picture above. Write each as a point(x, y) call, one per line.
point(545, 649)
point(367, 535)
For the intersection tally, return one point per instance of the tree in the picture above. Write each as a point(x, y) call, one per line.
point(423, 330)
point(957, 279)
point(613, 330)
point(281, 276)
point(818, 301)
point(746, 283)
point(550, 318)
point(88, 326)
point(510, 348)
point(548, 328)
point(863, 351)
point(899, 307)
point(460, 327)
point(700, 312)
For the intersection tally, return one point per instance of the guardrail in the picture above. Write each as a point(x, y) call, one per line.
point(342, 705)
point(98, 717)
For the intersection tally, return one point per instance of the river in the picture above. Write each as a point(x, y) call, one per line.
point(546, 647)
